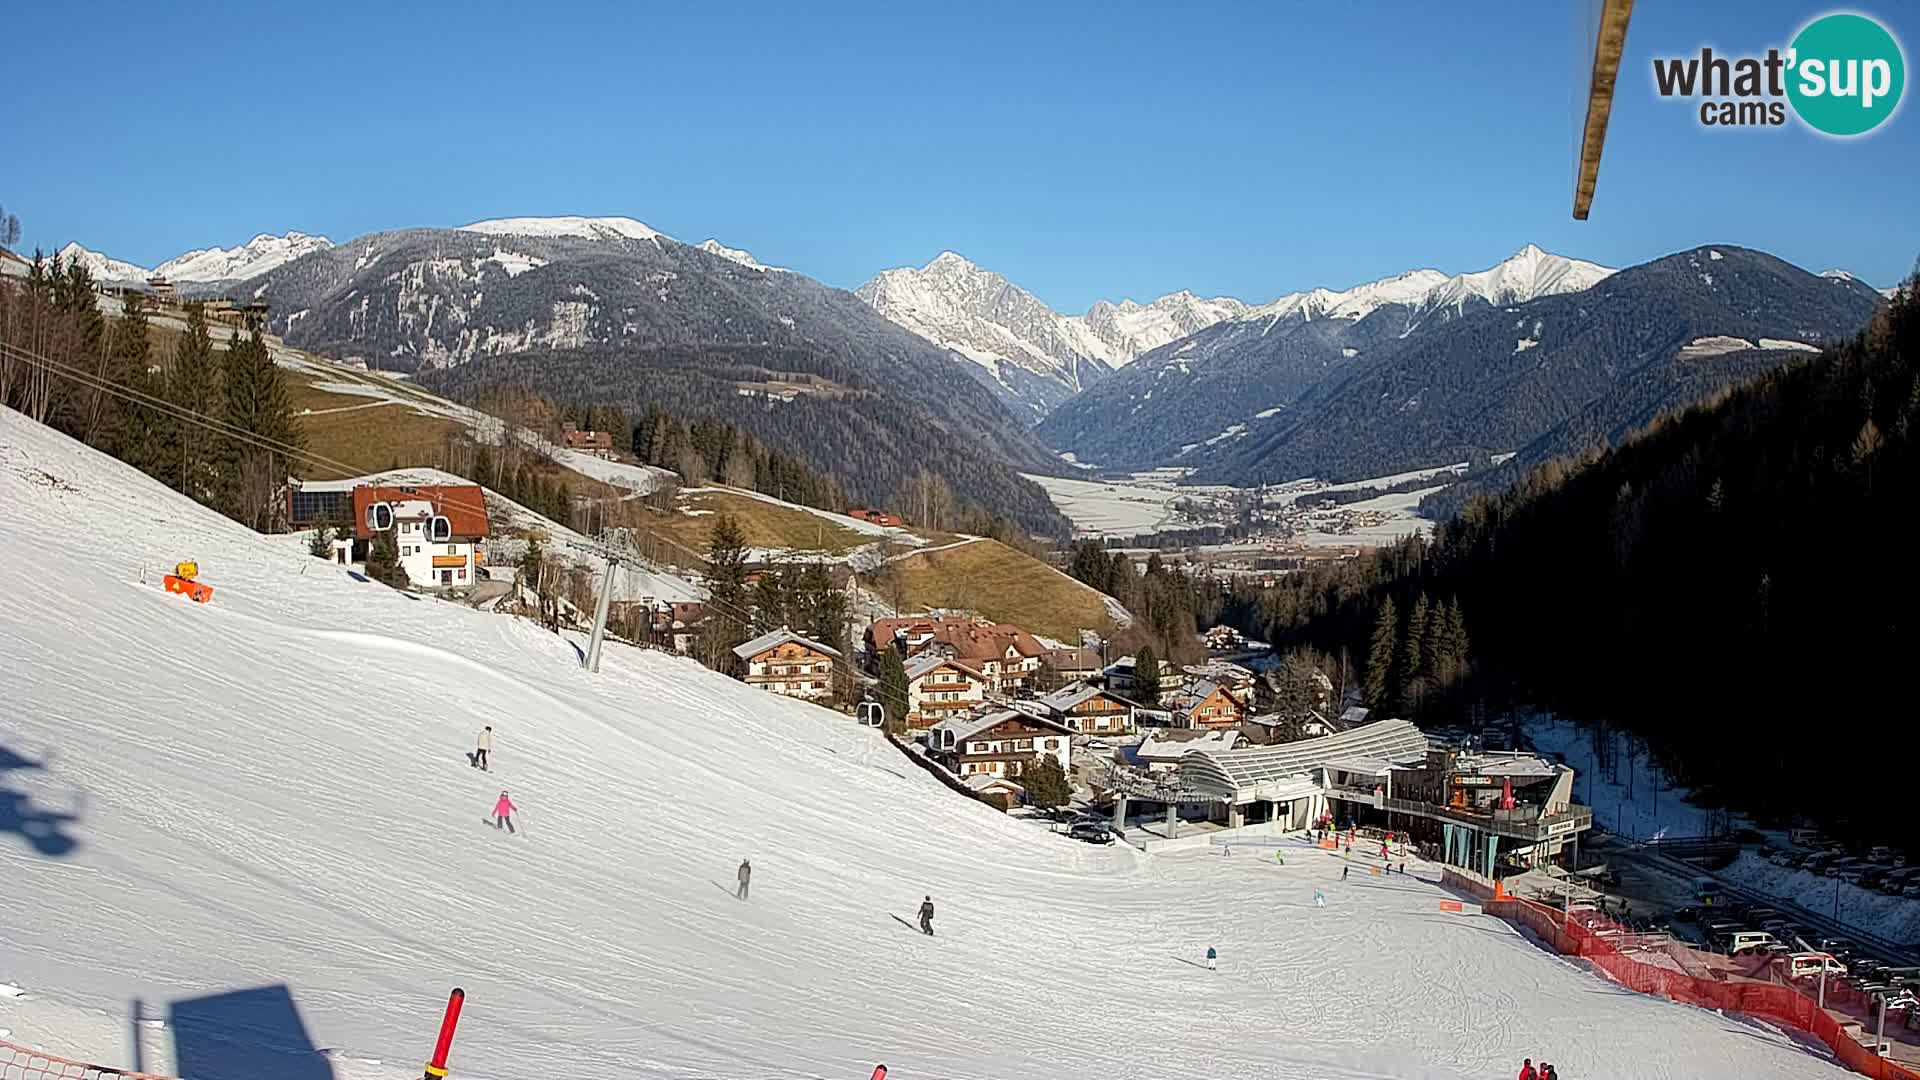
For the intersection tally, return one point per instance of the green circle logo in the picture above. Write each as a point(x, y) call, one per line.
point(1846, 74)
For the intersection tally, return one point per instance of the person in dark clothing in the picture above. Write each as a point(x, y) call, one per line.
point(1547, 1072)
point(926, 916)
point(1343, 871)
point(1526, 1070)
point(746, 878)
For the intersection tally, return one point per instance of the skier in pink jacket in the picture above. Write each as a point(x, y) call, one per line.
point(503, 812)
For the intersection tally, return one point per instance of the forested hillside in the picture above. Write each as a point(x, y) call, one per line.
point(872, 444)
point(1727, 584)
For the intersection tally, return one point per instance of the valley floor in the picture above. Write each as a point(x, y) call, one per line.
point(244, 836)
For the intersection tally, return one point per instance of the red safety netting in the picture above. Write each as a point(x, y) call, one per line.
point(1687, 975)
point(20, 1063)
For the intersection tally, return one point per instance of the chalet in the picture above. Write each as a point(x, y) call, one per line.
point(1161, 751)
point(162, 291)
point(877, 517)
point(1005, 654)
point(939, 687)
point(1119, 677)
point(1204, 704)
point(13, 266)
point(783, 662)
point(995, 790)
point(597, 443)
point(437, 528)
point(1232, 678)
point(1001, 742)
point(1074, 665)
point(1090, 710)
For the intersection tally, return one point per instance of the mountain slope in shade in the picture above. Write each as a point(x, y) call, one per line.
point(1198, 397)
point(1030, 355)
point(249, 260)
point(103, 267)
point(1557, 373)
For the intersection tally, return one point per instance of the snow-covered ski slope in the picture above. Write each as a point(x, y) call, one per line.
point(269, 793)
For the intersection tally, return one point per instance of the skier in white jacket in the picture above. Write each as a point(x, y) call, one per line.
point(482, 746)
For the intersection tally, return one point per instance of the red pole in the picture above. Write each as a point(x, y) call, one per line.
point(437, 1068)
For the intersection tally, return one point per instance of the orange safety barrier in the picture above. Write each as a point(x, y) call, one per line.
point(198, 592)
point(20, 1063)
point(1601, 942)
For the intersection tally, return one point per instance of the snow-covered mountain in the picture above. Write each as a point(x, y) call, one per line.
point(205, 266)
point(103, 267)
point(1201, 393)
point(739, 255)
point(1032, 356)
point(255, 257)
point(585, 228)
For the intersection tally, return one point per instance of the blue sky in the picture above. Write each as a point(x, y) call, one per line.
point(1086, 150)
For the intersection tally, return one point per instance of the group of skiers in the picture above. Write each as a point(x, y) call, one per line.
point(1544, 1072)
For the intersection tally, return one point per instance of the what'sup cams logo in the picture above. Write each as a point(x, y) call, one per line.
point(1842, 76)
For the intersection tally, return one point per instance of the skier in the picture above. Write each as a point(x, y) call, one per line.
point(1526, 1070)
point(1213, 959)
point(746, 878)
point(1344, 867)
point(1548, 1072)
point(1319, 898)
point(926, 916)
point(482, 746)
point(503, 813)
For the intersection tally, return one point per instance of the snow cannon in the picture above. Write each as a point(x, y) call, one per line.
point(182, 581)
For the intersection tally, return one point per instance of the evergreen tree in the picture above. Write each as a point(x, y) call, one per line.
point(1378, 687)
point(727, 602)
point(140, 435)
point(256, 402)
point(320, 544)
point(383, 561)
point(893, 688)
point(194, 386)
point(770, 602)
point(1146, 676)
point(1046, 782)
point(1412, 676)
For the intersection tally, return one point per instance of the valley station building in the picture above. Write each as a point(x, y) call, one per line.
point(1484, 811)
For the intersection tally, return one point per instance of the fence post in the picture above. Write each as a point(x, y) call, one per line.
point(437, 1068)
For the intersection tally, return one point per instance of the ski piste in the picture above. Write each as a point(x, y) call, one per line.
point(183, 814)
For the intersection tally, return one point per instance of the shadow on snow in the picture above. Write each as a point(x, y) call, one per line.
point(45, 830)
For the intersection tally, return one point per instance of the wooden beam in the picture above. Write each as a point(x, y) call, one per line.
point(1610, 43)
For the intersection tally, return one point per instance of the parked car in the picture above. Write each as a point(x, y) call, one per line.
point(1092, 832)
point(1807, 965)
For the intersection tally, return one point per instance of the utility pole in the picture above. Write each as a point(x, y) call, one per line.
point(600, 615)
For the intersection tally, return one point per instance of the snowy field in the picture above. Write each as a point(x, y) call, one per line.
point(1099, 508)
point(241, 840)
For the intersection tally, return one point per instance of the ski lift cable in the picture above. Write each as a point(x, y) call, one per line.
point(114, 388)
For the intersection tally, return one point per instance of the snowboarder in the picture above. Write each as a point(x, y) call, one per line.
point(926, 916)
point(746, 878)
point(482, 746)
point(503, 813)
point(1526, 1070)
point(1213, 959)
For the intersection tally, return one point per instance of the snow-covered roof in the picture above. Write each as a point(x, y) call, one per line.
point(1354, 715)
point(963, 728)
point(1176, 744)
point(1232, 771)
point(1526, 767)
point(779, 637)
point(933, 661)
point(988, 781)
point(1077, 693)
point(1363, 766)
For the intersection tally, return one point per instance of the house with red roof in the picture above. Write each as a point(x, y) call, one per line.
point(439, 529)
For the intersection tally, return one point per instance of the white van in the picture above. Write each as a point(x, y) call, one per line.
point(1807, 965)
point(1742, 942)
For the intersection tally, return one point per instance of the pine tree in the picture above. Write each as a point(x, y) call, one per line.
point(1413, 659)
point(383, 561)
point(727, 593)
point(893, 688)
point(1046, 782)
point(194, 386)
point(1146, 676)
point(140, 435)
point(1380, 657)
point(320, 544)
point(256, 402)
